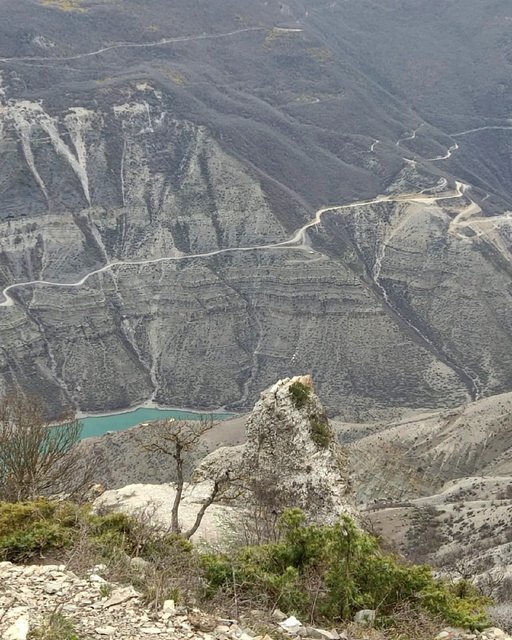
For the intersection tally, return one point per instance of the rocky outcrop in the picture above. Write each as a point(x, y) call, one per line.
point(156, 500)
point(290, 459)
point(291, 456)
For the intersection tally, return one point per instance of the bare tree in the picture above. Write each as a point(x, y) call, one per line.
point(177, 439)
point(37, 456)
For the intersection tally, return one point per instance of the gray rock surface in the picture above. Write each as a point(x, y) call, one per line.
point(438, 486)
point(155, 502)
point(290, 456)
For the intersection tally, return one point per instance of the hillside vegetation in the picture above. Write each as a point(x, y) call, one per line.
point(324, 574)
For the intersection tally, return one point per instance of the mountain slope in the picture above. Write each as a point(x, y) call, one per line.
point(135, 139)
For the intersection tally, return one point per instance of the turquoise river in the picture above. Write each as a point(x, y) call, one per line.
point(98, 425)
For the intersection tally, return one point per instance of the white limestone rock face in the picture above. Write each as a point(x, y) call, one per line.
point(154, 501)
point(291, 453)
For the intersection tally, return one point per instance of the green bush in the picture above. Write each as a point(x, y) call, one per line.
point(110, 531)
point(299, 393)
point(327, 573)
point(30, 529)
point(321, 433)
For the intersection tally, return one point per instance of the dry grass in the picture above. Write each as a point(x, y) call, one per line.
point(411, 623)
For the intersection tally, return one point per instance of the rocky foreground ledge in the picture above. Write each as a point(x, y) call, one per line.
point(93, 609)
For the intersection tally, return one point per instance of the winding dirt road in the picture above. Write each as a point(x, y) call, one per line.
point(134, 45)
point(297, 241)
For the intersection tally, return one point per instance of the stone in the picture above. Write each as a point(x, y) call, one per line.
point(19, 630)
point(51, 588)
point(94, 577)
point(118, 596)
point(152, 631)
point(277, 455)
point(169, 606)
point(365, 616)
point(139, 564)
point(99, 568)
point(94, 491)
point(291, 625)
point(202, 622)
point(278, 615)
point(105, 631)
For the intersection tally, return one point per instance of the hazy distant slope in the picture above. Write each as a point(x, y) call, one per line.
point(439, 484)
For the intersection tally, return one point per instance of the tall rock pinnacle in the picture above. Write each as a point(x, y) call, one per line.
point(291, 455)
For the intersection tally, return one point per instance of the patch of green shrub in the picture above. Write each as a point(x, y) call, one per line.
point(54, 627)
point(300, 393)
point(38, 527)
point(111, 530)
point(327, 573)
point(28, 529)
point(321, 433)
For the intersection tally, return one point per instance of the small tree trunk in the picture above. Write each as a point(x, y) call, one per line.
point(175, 524)
point(201, 512)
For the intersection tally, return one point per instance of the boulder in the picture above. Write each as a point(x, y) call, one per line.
point(365, 617)
point(18, 630)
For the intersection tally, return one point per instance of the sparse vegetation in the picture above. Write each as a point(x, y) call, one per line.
point(300, 393)
point(37, 456)
point(177, 77)
point(65, 5)
point(501, 616)
point(321, 54)
point(276, 33)
point(327, 573)
point(321, 433)
point(54, 627)
point(323, 573)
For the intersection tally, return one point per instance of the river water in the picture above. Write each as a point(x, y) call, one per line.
point(98, 425)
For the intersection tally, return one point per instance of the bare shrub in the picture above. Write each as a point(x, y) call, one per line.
point(167, 565)
point(409, 622)
point(38, 457)
point(258, 522)
point(176, 438)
